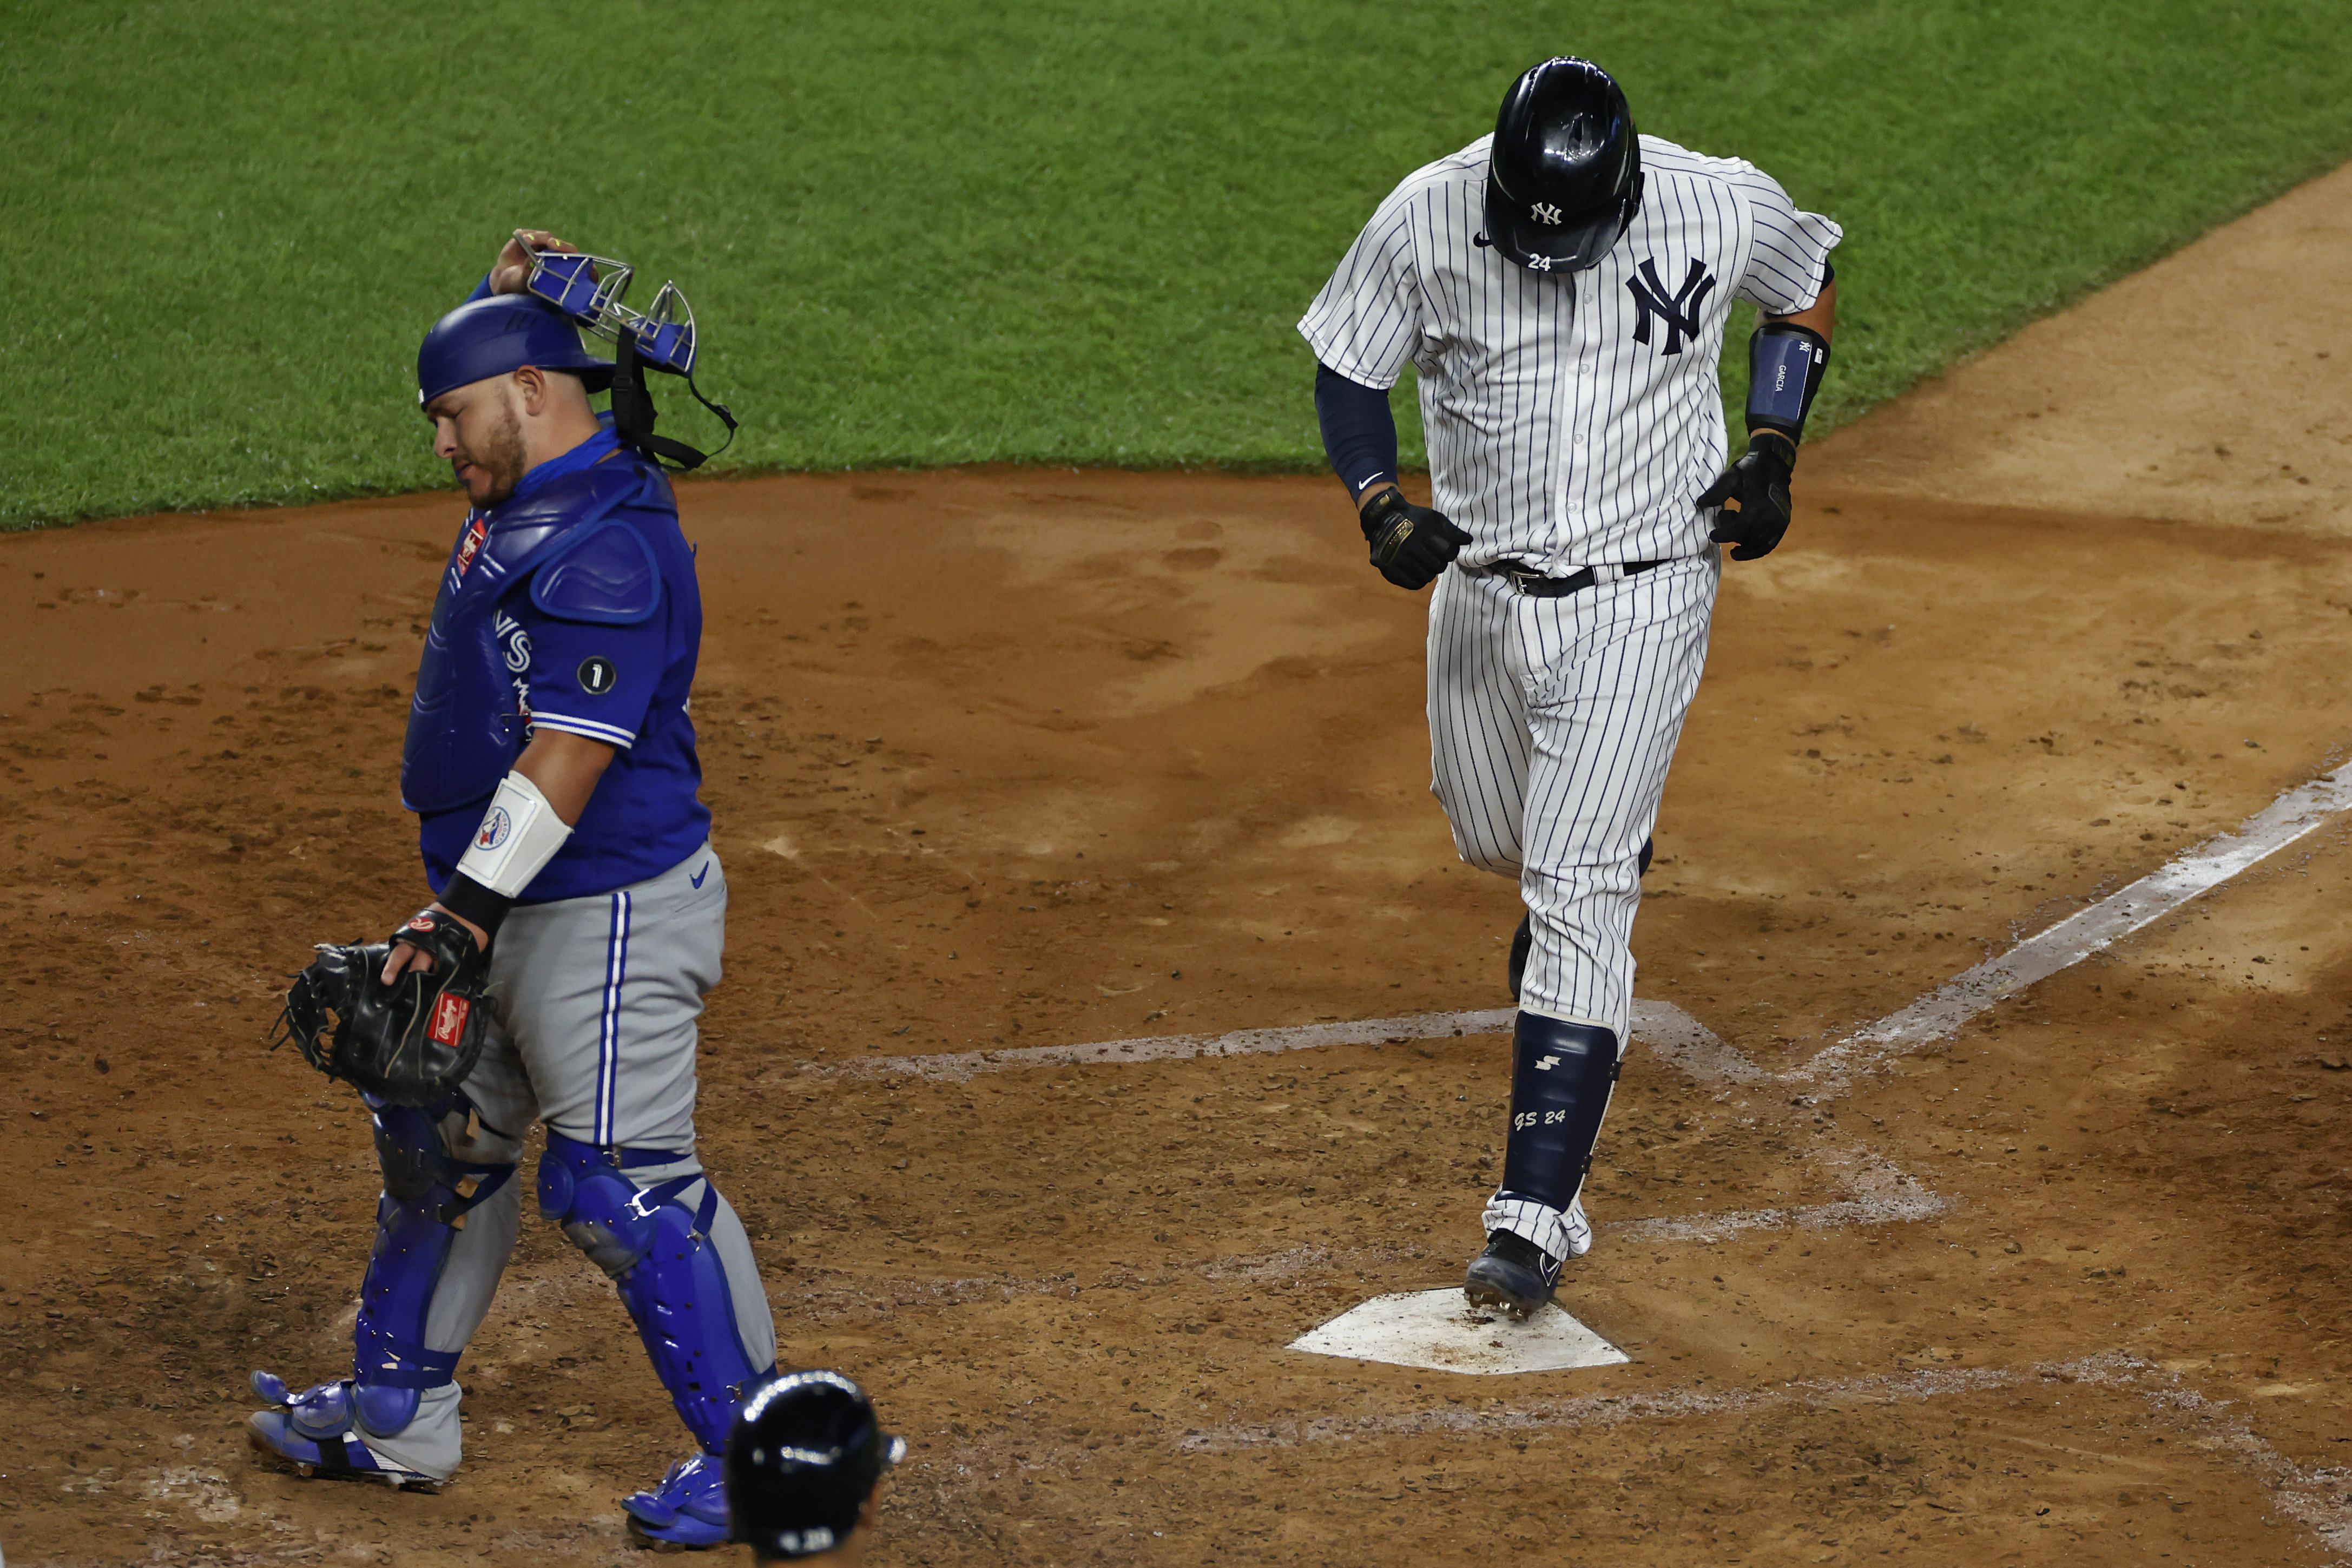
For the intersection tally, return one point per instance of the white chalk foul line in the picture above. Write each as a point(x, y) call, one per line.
point(1879, 1194)
point(958, 1066)
point(2294, 815)
point(1663, 1027)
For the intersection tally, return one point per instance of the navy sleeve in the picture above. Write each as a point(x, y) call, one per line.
point(1359, 433)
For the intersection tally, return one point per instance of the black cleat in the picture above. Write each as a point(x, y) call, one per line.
point(1514, 1274)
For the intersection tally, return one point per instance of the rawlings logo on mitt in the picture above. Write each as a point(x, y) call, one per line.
point(409, 1043)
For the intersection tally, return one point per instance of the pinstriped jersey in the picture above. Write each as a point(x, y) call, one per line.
point(1572, 419)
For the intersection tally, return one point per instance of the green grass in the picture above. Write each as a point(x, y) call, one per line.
point(1052, 232)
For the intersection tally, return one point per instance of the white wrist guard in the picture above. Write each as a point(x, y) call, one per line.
point(518, 835)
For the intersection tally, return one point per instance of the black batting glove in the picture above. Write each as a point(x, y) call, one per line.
point(1411, 544)
point(1754, 495)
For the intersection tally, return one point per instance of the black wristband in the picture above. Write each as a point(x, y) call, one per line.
point(469, 901)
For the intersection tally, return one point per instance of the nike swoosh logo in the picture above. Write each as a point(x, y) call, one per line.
point(696, 877)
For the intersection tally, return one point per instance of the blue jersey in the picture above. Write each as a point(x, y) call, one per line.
point(573, 605)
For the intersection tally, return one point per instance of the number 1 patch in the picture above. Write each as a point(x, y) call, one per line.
point(597, 675)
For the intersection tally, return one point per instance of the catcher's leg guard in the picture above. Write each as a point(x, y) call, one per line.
point(445, 1226)
point(683, 1267)
point(1562, 1077)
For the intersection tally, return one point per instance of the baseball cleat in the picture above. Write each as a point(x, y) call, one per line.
point(314, 1432)
point(272, 1435)
point(1514, 1274)
point(687, 1511)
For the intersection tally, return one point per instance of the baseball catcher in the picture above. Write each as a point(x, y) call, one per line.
point(578, 909)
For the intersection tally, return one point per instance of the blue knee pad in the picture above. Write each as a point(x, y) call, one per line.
point(1562, 1075)
point(427, 1192)
point(670, 1275)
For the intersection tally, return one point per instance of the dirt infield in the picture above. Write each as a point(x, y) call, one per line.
point(1002, 759)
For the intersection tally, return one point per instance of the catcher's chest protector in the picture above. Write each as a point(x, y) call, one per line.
point(465, 723)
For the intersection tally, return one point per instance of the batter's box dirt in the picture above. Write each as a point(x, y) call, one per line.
point(2107, 1459)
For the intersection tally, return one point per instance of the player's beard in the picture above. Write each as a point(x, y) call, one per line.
point(498, 461)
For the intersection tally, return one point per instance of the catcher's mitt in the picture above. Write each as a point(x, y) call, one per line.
point(409, 1043)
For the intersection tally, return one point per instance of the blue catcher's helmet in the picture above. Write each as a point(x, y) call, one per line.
point(804, 1458)
point(504, 332)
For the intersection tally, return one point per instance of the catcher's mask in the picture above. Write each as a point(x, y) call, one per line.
point(1564, 177)
point(589, 288)
point(567, 293)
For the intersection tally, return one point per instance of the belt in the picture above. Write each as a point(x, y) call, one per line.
point(1527, 580)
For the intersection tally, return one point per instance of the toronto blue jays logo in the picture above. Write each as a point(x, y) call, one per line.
point(1678, 310)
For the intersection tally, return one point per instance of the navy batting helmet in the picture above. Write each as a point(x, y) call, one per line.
point(504, 332)
point(803, 1459)
point(1564, 179)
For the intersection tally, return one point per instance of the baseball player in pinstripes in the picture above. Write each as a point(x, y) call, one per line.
point(1563, 288)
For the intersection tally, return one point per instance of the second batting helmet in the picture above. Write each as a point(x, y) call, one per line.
point(503, 332)
point(802, 1461)
point(1564, 179)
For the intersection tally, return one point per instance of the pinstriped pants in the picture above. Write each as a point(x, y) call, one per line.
point(1551, 722)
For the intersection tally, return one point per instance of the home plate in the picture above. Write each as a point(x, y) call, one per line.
point(1441, 1330)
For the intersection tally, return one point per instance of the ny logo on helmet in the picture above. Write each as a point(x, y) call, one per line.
point(1680, 312)
point(1546, 212)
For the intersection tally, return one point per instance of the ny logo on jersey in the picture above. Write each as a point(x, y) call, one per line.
point(1680, 312)
point(1546, 212)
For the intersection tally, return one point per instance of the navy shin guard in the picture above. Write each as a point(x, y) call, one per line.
point(427, 1194)
point(1562, 1075)
point(659, 1254)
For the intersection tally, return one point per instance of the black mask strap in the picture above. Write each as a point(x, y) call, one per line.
point(634, 415)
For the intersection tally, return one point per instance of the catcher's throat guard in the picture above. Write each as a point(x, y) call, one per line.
point(410, 1043)
point(589, 288)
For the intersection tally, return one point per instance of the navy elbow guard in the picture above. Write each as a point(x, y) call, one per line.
point(1785, 363)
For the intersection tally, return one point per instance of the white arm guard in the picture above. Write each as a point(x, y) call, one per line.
point(518, 835)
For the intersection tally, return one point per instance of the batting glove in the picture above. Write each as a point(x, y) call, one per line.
point(1755, 488)
point(1411, 544)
